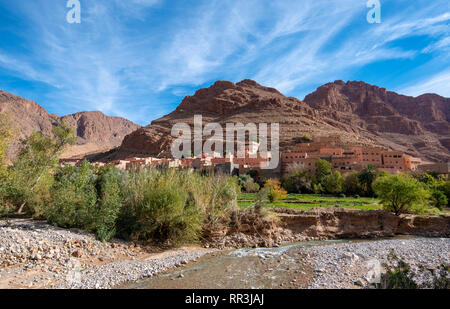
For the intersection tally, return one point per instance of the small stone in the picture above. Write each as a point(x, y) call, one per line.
point(78, 253)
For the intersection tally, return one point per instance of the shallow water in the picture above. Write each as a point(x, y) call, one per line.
point(260, 268)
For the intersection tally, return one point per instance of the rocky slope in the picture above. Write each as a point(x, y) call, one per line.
point(355, 111)
point(96, 132)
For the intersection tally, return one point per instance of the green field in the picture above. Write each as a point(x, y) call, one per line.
point(309, 201)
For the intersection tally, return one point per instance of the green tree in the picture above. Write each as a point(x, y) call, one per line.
point(297, 182)
point(366, 178)
point(398, 193)
point(333, 183)
point(351, 184)
point(323, 169)
point(38, 156)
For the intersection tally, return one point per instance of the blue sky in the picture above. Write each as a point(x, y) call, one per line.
point(139, 58)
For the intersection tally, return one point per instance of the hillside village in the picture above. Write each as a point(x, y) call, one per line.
point(344, 157)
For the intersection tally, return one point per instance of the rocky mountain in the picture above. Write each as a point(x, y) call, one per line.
point(419, 126)
point(355, 111)
point(96, 132)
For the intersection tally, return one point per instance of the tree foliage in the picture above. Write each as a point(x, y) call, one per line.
point(38, 157)
point(274, 190)
point(399, 193)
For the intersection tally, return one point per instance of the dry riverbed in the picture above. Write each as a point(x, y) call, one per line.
point(34, 254)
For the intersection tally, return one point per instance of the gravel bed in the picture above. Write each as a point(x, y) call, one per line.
point(34, 254)
point(357, 264)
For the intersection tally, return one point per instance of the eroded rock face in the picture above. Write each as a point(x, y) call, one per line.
point(96, 131)
point(355, 111)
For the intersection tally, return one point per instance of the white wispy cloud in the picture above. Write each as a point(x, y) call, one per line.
point(122, 58)
point(439, 83)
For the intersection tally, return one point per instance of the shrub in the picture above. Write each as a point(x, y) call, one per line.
point(168, 214)
point(161, 206)
point(261, 200)
point(218, 198)
point(109, 203)
point(444, 187)
point(399, 193)
point(248, 184)
point(438, 199)
point(306, 138)
point(274, 190)
point(400, 276)
point(298, 181)
point(74, 198)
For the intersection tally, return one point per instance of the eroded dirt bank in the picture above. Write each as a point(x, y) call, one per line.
point(323, 224)
point(345, 223)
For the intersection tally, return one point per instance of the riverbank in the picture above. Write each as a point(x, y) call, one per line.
point(36, 255)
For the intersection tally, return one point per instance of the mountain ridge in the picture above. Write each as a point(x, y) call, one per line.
point(96, 132)
point(356, 111)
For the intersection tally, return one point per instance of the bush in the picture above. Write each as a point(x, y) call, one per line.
point(169, 206)
point(74, 198)
point(274, 190)
point(400, 276)
point(218, 198)
point(160, 206)
point(109, 203)
point(298, 181)
point(306, 138)
point(444, 187)
point(248, 184)
point(399, 193)
point(438, 199)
